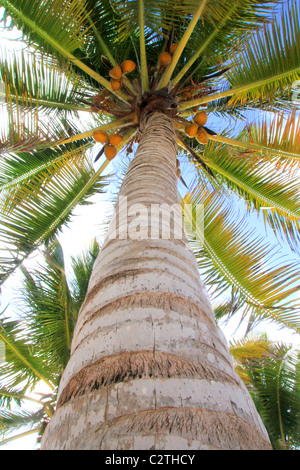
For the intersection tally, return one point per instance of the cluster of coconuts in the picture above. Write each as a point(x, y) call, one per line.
point(118, 71)
point(110, 142)
point(165, 57)
point(196, 129)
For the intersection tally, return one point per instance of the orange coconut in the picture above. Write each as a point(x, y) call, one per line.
point(178, 172)
point(116, 72)
point(202, 136)
point(115, 84)
point(110, 151)
point(200, 118)
point(128, 66)
point(173, 48)
point(191, 129)
point(115, 139)
point(100, 136)
point(177, 163)
point(165, 58)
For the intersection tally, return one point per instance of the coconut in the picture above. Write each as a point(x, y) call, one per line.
point(173, 48)
point(165, 58)
point(128, 66)
point(110, 151)
point(100, 136)
point(191, 129)
point(115, 139)
point(202, 136)
point(116, 72)
point(115, 84)
point(178, 172)
point(177, 163)
point(200, 118)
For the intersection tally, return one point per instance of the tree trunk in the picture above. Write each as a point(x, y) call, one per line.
point(149, 368)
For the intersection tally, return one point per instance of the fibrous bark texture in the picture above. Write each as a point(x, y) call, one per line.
point(149, 367)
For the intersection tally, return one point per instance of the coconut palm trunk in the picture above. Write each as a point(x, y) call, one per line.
point(149, 367)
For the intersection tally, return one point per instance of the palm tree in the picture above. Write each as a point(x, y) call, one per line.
point(149, 367)
point(37, 343)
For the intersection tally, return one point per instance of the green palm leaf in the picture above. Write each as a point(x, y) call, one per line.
point(66, 23)
point(279, 136)
point(51, 312)
point(208, 45)
point(17, 169)
point(33, 80)
point(13, 420)
point(51, 301)
point(232, 255)
point(275, 194)
point(20, 357)
point(266, 57)
point(35, 210)
point(13, 396)
point(65, 33)
point(252, 348)
point(269, 62)
point(49, 305)
point(272, 377)
point(82, 269)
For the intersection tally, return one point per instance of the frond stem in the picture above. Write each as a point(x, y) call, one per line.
point(202, 48)
point(186, 36)
point(144, 70)
point(234, 91)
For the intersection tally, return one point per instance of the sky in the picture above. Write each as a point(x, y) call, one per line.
point(87, 223)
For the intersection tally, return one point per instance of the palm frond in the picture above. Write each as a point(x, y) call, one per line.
point(82, 268)
point(252, 349)
point(268, 62)
point(35, 210)
point(214, 39)
point(273, 193)
point(49, 310)
point(64, 21)
point(29, 128)
point(230, 254)
point(59, 26)
point(20, 356)
point(13, 396)
point(101, 19)
point(19, 168)
point(182, 43)
point(279, 136)
point(14, 420)
point(272, 58)
point(35, 80)
point(273, 381)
